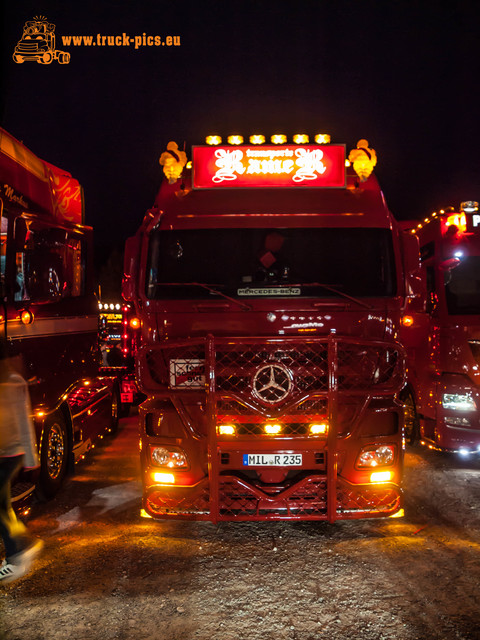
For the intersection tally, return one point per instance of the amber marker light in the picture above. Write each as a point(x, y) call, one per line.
point(26, 316)
point(235, 139)
point(318, 428)
point(213, 140)
point(40, 414)
point(226, 429)
point(272, 429)
point(407, 321)
point(322, 138)
point(144, 514)
point(400, 514)
point(257, 139)
point(163, 478)
point(381, 476)
point(301, 138)
point(134, 323)
point(278, 138)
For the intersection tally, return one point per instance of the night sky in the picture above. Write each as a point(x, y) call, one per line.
point(405, 75)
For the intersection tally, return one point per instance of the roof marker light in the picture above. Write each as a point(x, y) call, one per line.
point(257, 139)
point(301, 138)
point(235, 139)
point(278, 138)
point(213, 140)
point(322, 138)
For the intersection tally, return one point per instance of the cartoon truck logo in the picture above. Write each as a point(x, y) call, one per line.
point(38, 43)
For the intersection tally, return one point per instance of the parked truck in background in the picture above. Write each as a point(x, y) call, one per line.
point(48, 311)
point(443, 339)
point(270, 282)
point(119, 340)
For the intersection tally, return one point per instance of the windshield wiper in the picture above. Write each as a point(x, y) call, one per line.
point(329, 287)
point(207, 287)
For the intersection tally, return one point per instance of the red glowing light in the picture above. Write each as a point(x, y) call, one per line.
point(269, 166)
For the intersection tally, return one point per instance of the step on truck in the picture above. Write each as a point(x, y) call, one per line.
point(270, 281)
point(443, 339)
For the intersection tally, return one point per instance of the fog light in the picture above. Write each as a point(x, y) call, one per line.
point(376, 456)
point(381, 476)
point(272, 429)
point(163, 478)
point(226, 429)
point(318, 428)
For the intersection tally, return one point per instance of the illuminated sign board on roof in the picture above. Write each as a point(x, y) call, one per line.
point(269, 166)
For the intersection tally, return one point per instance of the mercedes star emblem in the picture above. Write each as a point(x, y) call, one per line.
point(272, 383)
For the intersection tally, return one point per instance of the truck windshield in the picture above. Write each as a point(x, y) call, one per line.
point(270, 262)
point(462, 287)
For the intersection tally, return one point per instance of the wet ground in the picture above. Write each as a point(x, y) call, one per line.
point(106, 573)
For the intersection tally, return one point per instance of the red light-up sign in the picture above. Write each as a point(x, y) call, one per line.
point(269, 166)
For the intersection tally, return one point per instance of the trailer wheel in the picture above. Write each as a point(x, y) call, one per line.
point(411, 418)
point(54, 455)
point(63, 57)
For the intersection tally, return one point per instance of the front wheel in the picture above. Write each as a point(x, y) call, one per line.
point(411, 418)
point(53, 455)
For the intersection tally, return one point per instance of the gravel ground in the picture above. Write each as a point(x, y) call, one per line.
point(106, 573)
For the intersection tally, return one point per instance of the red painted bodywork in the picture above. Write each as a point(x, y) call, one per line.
point(444, 347)
point(343, 355)
point(57, 352)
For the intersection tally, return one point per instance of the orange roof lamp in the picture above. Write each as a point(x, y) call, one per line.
point(173, 162)
point(363, 160)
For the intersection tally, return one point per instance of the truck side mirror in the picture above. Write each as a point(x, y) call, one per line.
point(130, 264)
point(414, 274)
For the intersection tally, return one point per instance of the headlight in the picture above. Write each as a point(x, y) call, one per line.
point(458, 402)
point(173, 458)
point(376, 456)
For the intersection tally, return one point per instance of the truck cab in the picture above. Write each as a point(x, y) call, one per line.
point(270, 281)
point(443, 339)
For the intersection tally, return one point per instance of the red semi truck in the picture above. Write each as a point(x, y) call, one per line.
point(443, 340)
point(48, 311)
point(270, 282)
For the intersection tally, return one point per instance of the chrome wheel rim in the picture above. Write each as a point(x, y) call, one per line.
point(55, 450)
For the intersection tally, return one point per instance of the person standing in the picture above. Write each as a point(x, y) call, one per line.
point(17, 450)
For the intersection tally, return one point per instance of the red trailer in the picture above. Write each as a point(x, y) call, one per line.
point(270, 282)
point(443, 340)
point(48, 311)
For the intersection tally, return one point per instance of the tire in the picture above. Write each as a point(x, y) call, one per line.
point(411, 418)
point(63, 57)
point(46, 58)
point(114, 410)
point(54, 455)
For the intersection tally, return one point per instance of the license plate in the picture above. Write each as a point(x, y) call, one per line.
point(126, 397)
point(272, 459)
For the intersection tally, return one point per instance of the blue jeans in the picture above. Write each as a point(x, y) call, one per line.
point(14, 533)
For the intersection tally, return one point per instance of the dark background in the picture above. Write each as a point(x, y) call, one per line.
point(404, 75)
